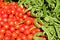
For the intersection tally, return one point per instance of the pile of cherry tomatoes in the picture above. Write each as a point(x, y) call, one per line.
point(15, 24)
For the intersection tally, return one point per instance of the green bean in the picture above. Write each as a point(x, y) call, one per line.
point(36, 24)
point(38, 34)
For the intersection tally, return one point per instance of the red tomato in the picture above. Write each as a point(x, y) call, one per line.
point(12, 29)
point(33, 32)
point(25, 16)
point(8, 33)
point(20, 15)
point(21, 29)
point(14, 35)
point(1, 0)
point(29, 13)
point(6, 38)
point(28, 22)
point(6, 26)
point(17, 32)
point(30, 37)
point(17, 27)
point(18, 38)
point(26, 27)
point(24, 37)
point(27, 32)
point(2, 30)
point(1, 36)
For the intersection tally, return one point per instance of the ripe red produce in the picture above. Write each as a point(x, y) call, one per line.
point(2, 30)
point(24, 37)
point(14, 35)
point(1, 22)
point(8, 33)
point(1, 36)
point(26, 27)
point(5, 19)
point(33, 32)
point(27, 32)
point(37, 30)
point(15, 24)
point(25, 16)
point(18, 38)
point(28, 22)
point(20, 35)
point(12, 38)
point(1, 0)
point(17, 32)
point(7, 38)
point(20, 20)
point(6, 26)
point(30, 37)
point(21, 29)
point(29, 13)
point(20, 15)
point(12, 29)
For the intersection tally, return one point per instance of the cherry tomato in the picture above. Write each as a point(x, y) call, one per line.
point(27, 32)
point(1, 36)
point(30, 37)
point(29, 13)
point(28, 22)
point(21, 29)
point(24, 37)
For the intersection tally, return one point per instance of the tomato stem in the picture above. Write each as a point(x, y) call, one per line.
point(21, 22)
point(32, 28)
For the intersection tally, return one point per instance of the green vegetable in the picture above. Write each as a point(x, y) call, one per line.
point(38, 34)
point(46, 12)
point(36, 24)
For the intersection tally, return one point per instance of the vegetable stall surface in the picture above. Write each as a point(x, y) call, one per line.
point(16, 23)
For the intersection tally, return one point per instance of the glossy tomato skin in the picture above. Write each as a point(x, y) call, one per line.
point(28, 22)
point(17, 32)
point(12, 38)
point(12, 29)
point(29, 13)
point(1, 36)
point(30, 37)
point(26, 27)
point(1, 0)
point(6, 26)
point(18, 38)
point(25, 17)
point(14, 35)
point(21, 29)
point(27, 32)
point(8, 33)
point(7, 38)
point(20, 15)
point(24, 37)
point(2, 30)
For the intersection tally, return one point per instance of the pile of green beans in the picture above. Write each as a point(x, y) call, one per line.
point(46, 12)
